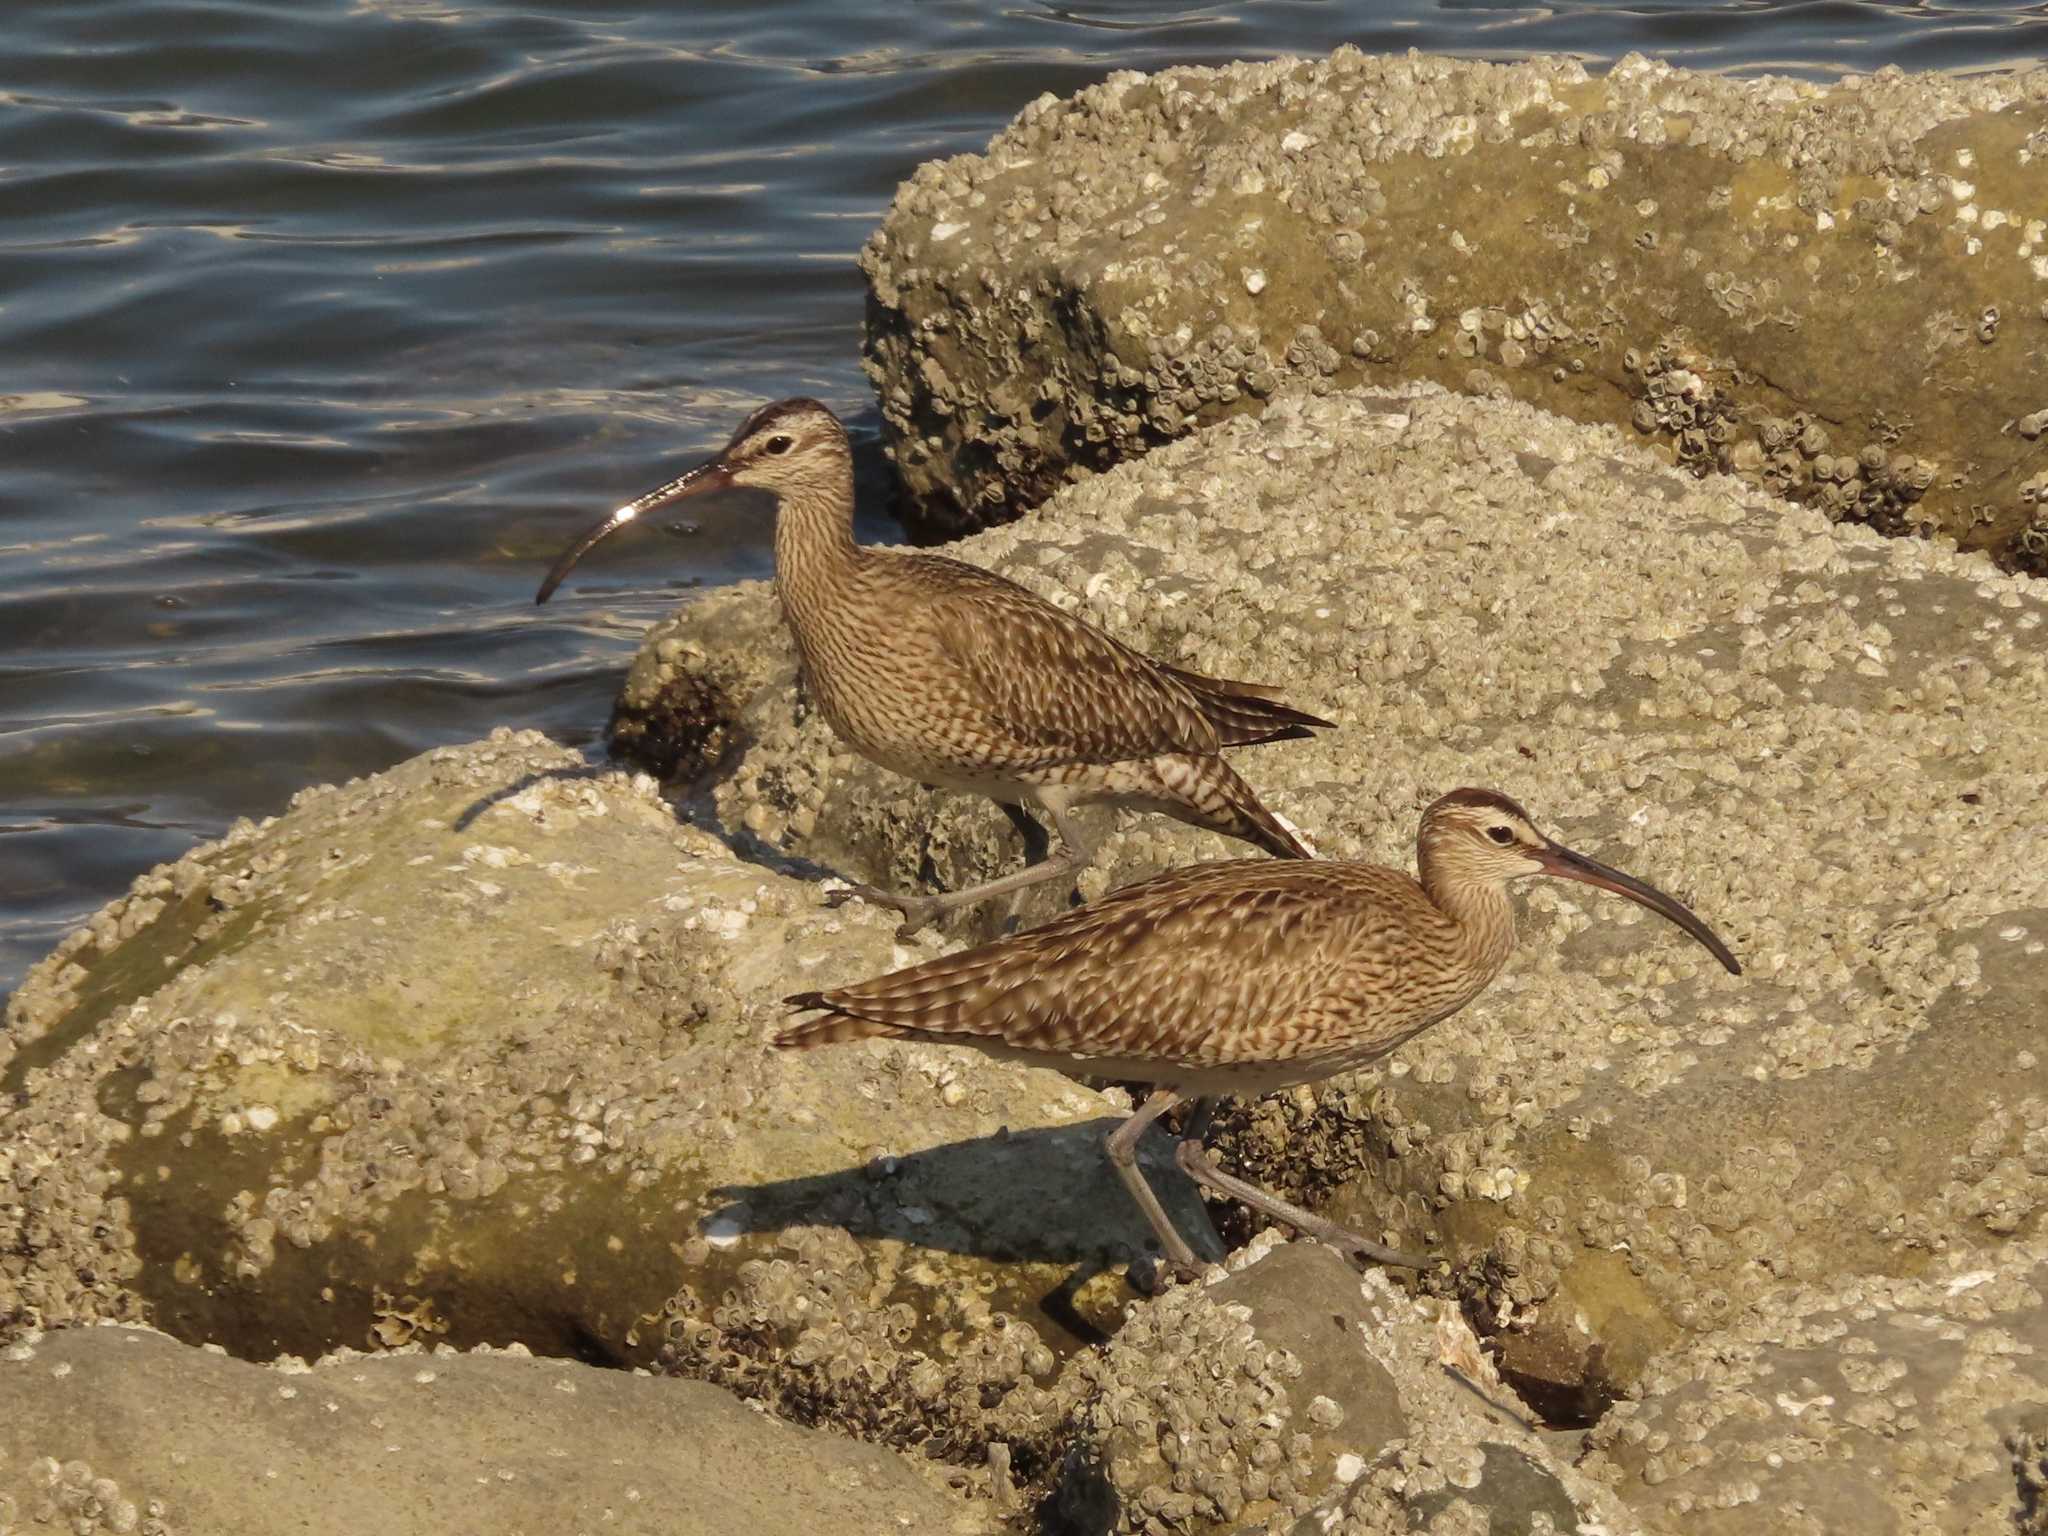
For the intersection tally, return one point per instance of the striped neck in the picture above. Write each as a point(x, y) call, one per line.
point(1481, 909)
point(814, 549)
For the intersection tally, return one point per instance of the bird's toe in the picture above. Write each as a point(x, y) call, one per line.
point(916, 910)
point(1155, 1274)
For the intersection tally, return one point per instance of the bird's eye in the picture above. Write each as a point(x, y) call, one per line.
point(781, 444)
point(1500, 835)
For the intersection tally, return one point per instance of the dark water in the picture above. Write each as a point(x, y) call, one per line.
point(325, 321)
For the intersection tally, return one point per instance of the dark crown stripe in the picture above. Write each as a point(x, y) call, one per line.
point(777, 410)
point(1479, 800)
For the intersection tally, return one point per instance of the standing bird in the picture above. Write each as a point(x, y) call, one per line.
point(1239, 977)
point(956, 677)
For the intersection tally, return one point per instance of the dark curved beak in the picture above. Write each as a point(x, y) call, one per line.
point(710, 476)
point(1566, 865)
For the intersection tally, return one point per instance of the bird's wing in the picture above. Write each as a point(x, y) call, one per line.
point(1057, 686)
point(1204, 966)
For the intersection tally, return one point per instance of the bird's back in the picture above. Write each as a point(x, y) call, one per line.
point(949, 663)
point(1210, 967)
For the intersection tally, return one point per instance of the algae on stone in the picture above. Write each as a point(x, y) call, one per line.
point(488, 1063)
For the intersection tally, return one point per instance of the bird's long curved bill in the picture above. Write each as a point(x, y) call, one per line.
point(1567, 865)
point(705, 477)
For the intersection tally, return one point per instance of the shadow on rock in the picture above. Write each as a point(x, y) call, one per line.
point(578, 773)
point(1009, 1197)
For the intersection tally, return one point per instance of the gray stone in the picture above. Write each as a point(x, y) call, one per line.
point(116, 1429)
point(476, 1051)
point(1723, 263)
point(1872, 1405)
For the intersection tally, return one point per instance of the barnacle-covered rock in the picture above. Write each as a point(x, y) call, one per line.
point(123, 1430)
point(1831, 745)
point(1881, 1405)
point(816, 1335)
point(476, 1051)
point(1703, 257)
point(1294, 1395)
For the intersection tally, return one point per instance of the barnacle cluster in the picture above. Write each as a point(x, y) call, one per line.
point(803, 1332)
point(69, 1496)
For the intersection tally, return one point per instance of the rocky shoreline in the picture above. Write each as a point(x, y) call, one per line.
point(1712, 263)
point(465, 1063)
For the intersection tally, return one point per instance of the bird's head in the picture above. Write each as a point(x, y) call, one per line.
point(1481, 837)
point(790, 447)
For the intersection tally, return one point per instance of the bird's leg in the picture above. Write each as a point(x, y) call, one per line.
point(1036, 843)
point(1076, 853)
point(1194, 1162)
point(1123, 1156)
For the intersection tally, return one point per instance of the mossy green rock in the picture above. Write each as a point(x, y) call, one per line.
point(476, 1051)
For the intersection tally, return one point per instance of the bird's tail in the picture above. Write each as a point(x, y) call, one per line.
point(1207, 792)
point(1246, 714)
point(831, 1028)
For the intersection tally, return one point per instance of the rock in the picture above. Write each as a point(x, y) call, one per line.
point(1868, 1405)
point(1296, 1396)
point(474, 1051)
point(1717, 261)
point(1227, 1402)
point(120, 1429)
point(679, 714)
point(1260, 1395)
point(534, 1103)
point(1830, 744)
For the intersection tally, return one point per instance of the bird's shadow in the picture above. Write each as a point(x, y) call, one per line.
point(1047, 1195)
point(693, 808)
point(520, 785)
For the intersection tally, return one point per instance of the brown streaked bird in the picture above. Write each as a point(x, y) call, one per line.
point(959, 678)
point(1239, 978)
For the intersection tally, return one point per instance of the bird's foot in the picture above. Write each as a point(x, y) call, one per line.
point(1155, 1274)
point(1195, 1163)
point(916, 910)
point(1363, 1251)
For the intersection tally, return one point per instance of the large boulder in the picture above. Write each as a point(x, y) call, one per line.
point(121, 1429)
point(1835, 746)
point(1872, 1405)
point(475, 1051)
point(1838, 290)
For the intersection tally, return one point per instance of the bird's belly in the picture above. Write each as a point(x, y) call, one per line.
point(891, 717)
point(1244, 1081)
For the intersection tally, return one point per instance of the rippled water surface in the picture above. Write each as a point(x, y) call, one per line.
point(326, 321)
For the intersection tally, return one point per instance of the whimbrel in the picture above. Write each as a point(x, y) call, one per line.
point(1239, 978)
point(959, 678)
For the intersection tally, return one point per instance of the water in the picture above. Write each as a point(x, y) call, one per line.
point(326, 322)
